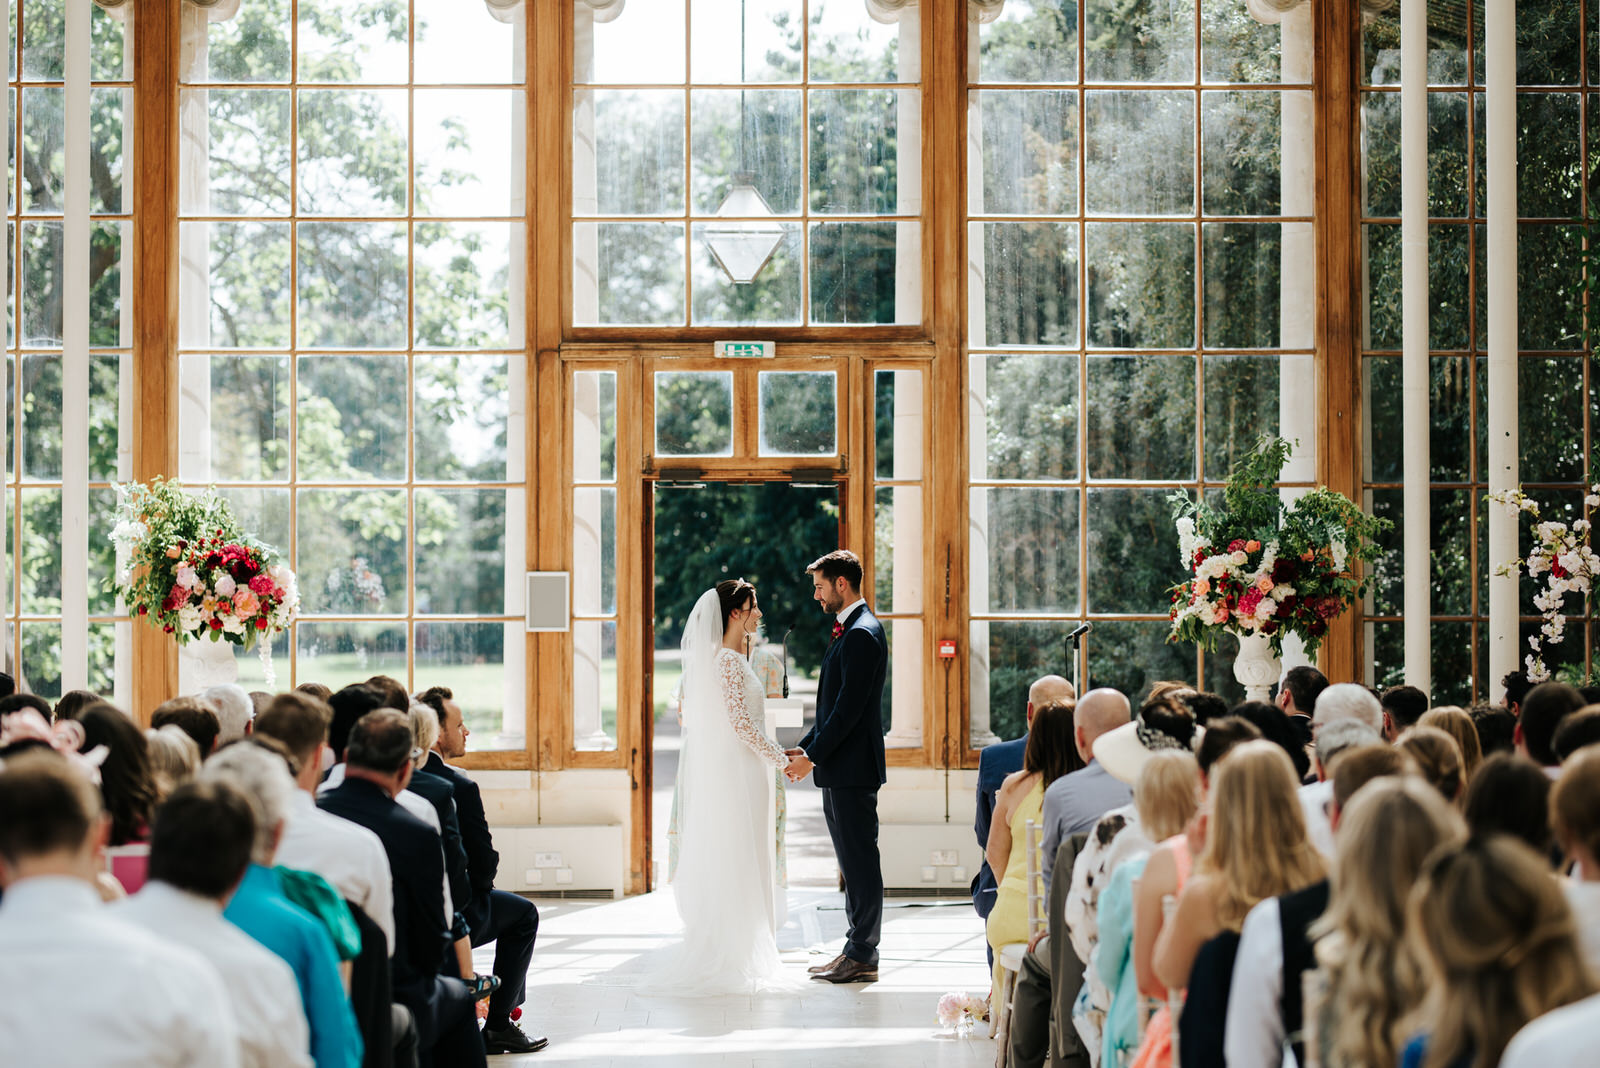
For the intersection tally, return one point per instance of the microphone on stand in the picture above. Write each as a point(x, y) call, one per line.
point(1074, 640)
point(783, 651)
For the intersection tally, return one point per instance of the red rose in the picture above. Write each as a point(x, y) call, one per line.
point(216, 624)
point(1556, 570)
point(262, 585)
point(261, 622)
point(1236, 545)
point(143, 610)
point(167, 628)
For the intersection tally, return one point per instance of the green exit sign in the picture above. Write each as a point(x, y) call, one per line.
point(747, 350)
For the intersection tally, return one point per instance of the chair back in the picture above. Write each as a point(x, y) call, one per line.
point(129, 865)
point(1038, 919)
point(1169, 906)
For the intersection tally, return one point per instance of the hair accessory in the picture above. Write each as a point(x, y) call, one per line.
point(1153, 739)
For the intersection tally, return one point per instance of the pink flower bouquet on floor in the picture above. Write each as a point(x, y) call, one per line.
point(961, 1012)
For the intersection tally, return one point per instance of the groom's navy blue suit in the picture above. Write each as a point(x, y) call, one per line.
point(846, 747)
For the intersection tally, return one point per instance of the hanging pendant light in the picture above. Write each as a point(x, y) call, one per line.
point(745, 242)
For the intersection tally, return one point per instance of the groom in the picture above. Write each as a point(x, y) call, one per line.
point(845, 746)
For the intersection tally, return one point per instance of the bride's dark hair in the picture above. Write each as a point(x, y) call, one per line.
point(734, 595)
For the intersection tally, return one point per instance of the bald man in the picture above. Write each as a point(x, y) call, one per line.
point(994, 764)
point(1075, 802)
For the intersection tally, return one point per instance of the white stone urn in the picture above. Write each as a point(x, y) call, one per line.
point(1255, 668)
point(204, 663)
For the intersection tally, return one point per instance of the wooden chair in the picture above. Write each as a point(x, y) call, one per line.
point(1169, 906)
point(1010, 955)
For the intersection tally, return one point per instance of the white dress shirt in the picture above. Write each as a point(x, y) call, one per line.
point(1253, 1033)
point(81, 986)
point(1561, 1038)
point(346, 854)
point(266, 999)
point(844, 613)
point(1584, 899)
point(419, 807)
point(1315, 799)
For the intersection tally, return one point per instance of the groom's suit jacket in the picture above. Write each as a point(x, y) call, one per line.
point(846, 742)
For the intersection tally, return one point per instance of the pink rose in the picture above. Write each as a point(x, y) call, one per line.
point(245, 604)
point(1264, 584)
point(262, 585)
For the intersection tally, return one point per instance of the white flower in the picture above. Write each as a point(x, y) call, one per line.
point(225, 586)
point(189, 618)
point(187, 578)
point(232, 624)
point(1237, 559)
point(1185, 542)
point(1265, 610)
point(128, 530)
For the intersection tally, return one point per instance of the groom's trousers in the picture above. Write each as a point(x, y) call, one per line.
point(852, 816)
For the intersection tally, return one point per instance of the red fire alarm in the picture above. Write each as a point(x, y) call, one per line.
point(947, 649)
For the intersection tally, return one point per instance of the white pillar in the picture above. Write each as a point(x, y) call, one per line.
point(587, 566)
point(585, 184)
point(905, 726)
point(194, 251)
point(1500, 60)
point(908, 171)
point(75, 238)
point(1415, 500)
point(978, 713)
point(513, 721)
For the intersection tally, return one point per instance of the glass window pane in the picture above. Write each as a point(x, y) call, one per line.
point(110, 377)
point(724, 290)
point(351, 551)
point(110, 250)
point(1139, 152)
point(102, 554)
point(338, 654)
point(1550, 419)
point(1141, 285)
point(467, 142)
point(460, 551)
point(44, 151)
point(343, 42)
point(41, 283)
point(1132, 551)
point(1029, 283)
point(1448, 409)
point(746, 135)
point(1549, 43)
point(594, 684)
point(897, 549)
point(1247, 396)
point(41, 417)
point(461, 288)
point(1447, 154)
point(469, 43)
point(102, 667)
point(1028, 41)
point(247, 146)
point(799, 413)
point(460, 417)
point(1259, 288)
point(352, 418)
point(594, 551)
point(110, 147)
point(44, 38)
point(1242, 152)
point(608, 38)
point(1139, 43)
point(899, 424)
point(855, 134)
point(244, 414)
point(40, 566)
point(1235, 46)
point(637, 162)
point(41, 660)
point(1380, 156)
point(866, 273)
point(1450, 552)
point(1029, 143)
point(1006, 657)
point(246, 285)
point(352, 285)
point(1025, 417)
point(1549, 312)
point(353, 152)
point(734, 41)
point(851, 44)
point(694, 413)
point(1024, 550)
point(251, 49)
point(627, 274)
point(263, 512)
point(1141, 417)
point(1129, 655)
point(594, 426)
point(1549, 178)
point(903, 688)
point(470, 660)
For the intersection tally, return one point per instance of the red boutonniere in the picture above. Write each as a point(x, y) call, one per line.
point(838, 629)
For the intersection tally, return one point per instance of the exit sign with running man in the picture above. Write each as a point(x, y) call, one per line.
point(747, 350)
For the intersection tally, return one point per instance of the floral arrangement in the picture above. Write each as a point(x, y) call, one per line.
point(961, 1012)
point(1562, 553)
point(356, 588)
point(1260, 567)
point(186, 566)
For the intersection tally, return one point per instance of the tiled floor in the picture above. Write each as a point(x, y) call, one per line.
point(927, 950)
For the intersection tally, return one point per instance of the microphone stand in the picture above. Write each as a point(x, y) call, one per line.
point(1074, 642)
point(783, 651)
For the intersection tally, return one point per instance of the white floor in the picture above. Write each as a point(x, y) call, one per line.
point(927, 950)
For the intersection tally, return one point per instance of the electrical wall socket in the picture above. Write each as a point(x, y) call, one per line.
point(930, 875)
point(547, 860)
point(533, 876)
point(958, 874)
point(563, 875)
point(945, 857)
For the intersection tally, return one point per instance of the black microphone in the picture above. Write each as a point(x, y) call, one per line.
point(784, 653)
point(1078, 632)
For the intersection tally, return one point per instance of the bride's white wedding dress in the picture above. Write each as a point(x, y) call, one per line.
point(724, 884)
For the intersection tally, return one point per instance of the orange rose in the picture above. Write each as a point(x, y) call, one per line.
point(1252, 546)
point(1264, 584)
point(1201, 587)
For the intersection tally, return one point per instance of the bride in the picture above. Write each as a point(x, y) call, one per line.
point(724, 882)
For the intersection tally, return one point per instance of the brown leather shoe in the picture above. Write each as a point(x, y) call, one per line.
point(849, 971)
point(818, 969)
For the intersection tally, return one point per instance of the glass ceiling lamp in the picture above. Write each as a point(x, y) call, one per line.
point(743, 244)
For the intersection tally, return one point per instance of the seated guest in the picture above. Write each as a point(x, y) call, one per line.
point(346, 854)
point(260, 701)
point(1495, 728)
point(1253, 803)
point(1458, 725)
point(73, 702)
point(126, 785)
point(1543, 709)
point(1276, 728)
point(1499, 948)
point(392, 691)
point(264, 912)
point(199, 850)
point(233, 708)
point(1297, 697)
point(995, 762)
point(1437, 759)
point(154, 1004)
point(315, 689)
point(1577, 731)
point(1206, 707)
point(174, 759)
point(508, 920)
point(18, 701)
point(1340, 704)
point(1403, 706)
point(8, 685)
point(1074, 803)
point(1510, 794)
point(194, 717)
point(378, 766)
point(1575, 816)
point(1561, 1038)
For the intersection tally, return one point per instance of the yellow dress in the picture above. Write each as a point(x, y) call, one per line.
point(1009, 921)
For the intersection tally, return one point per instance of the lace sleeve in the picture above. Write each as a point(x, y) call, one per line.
point(731, 670)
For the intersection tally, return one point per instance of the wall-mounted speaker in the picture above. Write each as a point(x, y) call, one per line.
point(549, 601)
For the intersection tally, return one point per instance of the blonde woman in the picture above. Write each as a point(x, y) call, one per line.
point(1374, 978)
point(1256, 847)
point(1575, 816)
point(1499, 947)
point(174, 758)
point(1437, 758)
point(1455, 722)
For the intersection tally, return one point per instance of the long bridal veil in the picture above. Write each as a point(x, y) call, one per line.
point(723, 886)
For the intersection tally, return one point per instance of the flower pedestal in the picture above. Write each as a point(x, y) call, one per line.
point(204, 663)
point(1255, 667)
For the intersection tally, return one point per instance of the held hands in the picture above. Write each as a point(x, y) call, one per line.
point(799, 765)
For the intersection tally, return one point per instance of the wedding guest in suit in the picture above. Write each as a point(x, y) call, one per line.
point(194, 718)
point(508, 920)
point(199, 851)
point(845, 747)
point(154, 1004)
